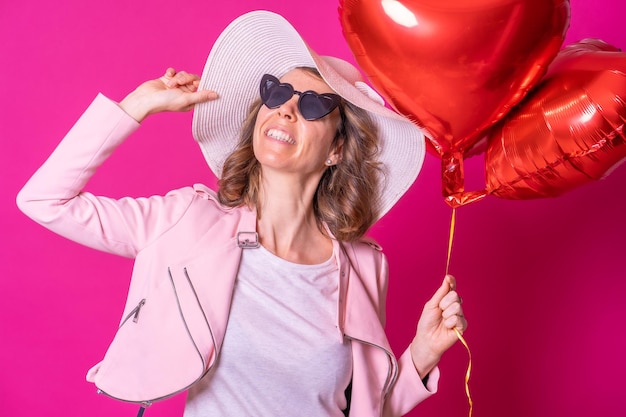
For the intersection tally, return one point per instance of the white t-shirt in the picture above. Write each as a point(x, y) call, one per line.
point(282, 354)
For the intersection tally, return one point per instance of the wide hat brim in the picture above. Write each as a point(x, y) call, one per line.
point(263, 42)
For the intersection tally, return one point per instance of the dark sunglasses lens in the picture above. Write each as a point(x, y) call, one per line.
point(314, 106)
point(273, 93)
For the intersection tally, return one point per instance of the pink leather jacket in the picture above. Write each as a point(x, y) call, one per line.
point(189, 227)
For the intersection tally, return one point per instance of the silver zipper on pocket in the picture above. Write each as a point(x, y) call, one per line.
point(134, 312)
point(137, 310)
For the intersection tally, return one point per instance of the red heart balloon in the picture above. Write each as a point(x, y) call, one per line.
point(568, 131)
point(455, 67)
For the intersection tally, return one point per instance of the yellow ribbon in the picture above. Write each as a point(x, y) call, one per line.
point(458, 333)
point(451, 238)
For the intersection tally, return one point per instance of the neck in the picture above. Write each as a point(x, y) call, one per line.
point(287, 225)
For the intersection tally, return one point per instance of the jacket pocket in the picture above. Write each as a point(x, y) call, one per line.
point(162, 347)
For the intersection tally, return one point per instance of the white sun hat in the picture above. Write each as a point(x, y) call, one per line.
point(263, 42)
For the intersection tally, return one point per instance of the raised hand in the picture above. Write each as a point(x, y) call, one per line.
point(174, 91)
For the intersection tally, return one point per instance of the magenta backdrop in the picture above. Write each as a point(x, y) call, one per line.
point(543, 281)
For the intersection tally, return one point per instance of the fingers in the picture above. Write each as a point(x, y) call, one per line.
point(452, 297)
point(450, 305)
point(456, 321)
point(453, 316)
point(181, 79)
point(170, 72)
point(186, 83)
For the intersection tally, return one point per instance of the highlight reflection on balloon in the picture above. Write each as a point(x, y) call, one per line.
point(455, 67)
point(568, 132)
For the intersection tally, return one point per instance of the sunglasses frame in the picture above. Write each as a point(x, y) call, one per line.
point(263, 89)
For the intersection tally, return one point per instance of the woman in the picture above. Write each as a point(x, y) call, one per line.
point(297, 298)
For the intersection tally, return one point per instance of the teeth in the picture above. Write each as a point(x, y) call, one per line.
point(280, 135)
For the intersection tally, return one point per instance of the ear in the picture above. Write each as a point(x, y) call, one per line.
point(336, 152)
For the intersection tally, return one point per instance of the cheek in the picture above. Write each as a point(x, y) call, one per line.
point(325, 135)
point(333, 126)
point(262, 111)
point(257, 123)
point(261, 115)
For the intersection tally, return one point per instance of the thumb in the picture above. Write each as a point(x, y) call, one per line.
point(448, 284)
point(202, 96)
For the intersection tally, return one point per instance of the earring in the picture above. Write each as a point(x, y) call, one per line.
point(329, 162)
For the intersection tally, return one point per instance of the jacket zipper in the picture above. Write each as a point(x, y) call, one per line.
point(392, 375)
point(205, 319)
point(134, 313)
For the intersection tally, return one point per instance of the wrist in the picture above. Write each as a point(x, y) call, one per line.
point(424, 361)
point(135, 106)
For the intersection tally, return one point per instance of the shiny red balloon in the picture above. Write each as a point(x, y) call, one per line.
point(568, 131)
point(455, 67)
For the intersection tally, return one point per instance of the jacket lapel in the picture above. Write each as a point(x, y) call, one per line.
point(214, 270)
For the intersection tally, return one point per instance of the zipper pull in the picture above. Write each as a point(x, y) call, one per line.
point(137, 309)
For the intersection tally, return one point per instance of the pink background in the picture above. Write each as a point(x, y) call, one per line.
point(543, 281)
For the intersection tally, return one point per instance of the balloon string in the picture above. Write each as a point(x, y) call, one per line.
point(458, 333)
point(452, 224)
point(468, 372)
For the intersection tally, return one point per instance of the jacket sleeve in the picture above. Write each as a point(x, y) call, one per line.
point(409, 390)
point(54, 196)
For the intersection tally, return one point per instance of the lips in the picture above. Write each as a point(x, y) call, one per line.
point(280, 136)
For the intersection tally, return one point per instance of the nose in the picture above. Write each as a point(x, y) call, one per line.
point(289, 109)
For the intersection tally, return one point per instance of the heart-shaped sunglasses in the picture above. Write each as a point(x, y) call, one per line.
point(312, 106)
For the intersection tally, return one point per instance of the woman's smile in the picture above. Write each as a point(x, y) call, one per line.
point(280, 136)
